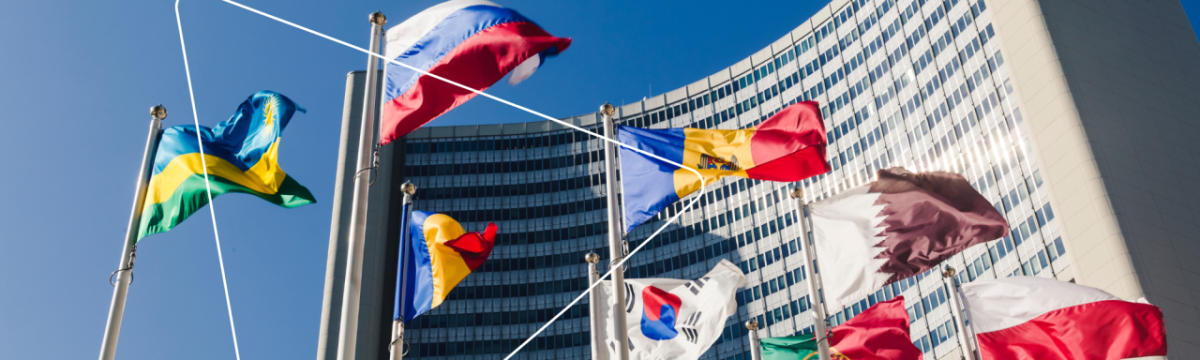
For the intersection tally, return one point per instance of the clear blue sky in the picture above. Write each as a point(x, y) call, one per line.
point(77, 79)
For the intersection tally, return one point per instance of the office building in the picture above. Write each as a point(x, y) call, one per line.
point(1070, 116)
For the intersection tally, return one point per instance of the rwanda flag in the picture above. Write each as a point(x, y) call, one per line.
point(789, 146)
point(240, 155)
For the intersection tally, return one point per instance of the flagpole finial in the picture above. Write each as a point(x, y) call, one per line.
point(949, 273)
point(408, 188)
point(591, 258)
point(158, 112)
point(752, 325)
point(377, 18)
point(608, 109)
point(798, 192)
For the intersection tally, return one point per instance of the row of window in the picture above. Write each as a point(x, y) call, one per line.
point(941, 334)
point(443, 321)
point(772, 286)
point(503, 167)
point(522, 189)
point(525, 212)
point(527, 142)
point(888, 292)
point(536, 262)
point(698, 256)
point(500, 346)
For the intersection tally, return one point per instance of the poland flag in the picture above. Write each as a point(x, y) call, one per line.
point(1046, 319)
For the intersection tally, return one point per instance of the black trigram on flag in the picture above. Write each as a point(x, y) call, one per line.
point(691, 334)
point(695, 285)
point(629, 298)
point(688, 327)
point(693, 319)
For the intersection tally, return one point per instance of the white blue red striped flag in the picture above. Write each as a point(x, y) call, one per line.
point(471, 42)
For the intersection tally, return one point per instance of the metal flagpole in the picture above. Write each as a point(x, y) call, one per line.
point(956, 307)
point(615, 250)
point(810, 257)
point(397, 345)
point(594, 305)
point(755, 347)
point(124, 273)
point(348, 332)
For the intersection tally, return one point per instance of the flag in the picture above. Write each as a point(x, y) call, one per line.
point(240, 155)
point(671, 318)
point(435, 255)
point(1045, 319)
point(879, 333)
point(471, 42)
point(896, 227)
point(789, 146)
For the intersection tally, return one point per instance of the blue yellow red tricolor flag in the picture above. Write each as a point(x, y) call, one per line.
point(240, 155)
point(789, 146)
point(435, 255)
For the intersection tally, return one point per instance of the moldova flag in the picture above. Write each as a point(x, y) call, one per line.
point(240, 155)
point(789, 146)
point(435, 255)
point(471, 42)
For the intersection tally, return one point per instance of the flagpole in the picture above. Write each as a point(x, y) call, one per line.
point(348, 329)
point(397, 344)
point(810, 257)
point(755, 347)
point(124, 273)
point(958, 314)
point(594, 304)
point(615, 250)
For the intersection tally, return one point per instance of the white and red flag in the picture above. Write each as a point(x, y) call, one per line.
point(896, 227)
point(1045, 319)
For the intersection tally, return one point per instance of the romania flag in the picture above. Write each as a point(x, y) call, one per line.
point(789, 146)
point(435, 256)
point(240, 155)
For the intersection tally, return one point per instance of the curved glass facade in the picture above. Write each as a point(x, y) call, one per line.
point(913, 83)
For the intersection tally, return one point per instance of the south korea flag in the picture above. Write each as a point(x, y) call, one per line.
point(671, 318)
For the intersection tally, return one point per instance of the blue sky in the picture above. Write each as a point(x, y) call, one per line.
point(77, 79)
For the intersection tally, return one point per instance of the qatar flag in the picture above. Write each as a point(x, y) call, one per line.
point(896, 227)
point(1045, 319)
point(471, 42)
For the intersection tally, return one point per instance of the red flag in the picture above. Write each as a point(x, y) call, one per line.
point(1046, 319)
point(880, 333)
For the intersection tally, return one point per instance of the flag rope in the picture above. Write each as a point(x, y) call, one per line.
point(211, 207)
point(703, 183)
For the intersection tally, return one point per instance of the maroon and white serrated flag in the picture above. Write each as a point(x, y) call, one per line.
point(896, 227)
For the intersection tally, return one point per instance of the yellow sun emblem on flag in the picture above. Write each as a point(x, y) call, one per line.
point(270, 110)
point(833, 354)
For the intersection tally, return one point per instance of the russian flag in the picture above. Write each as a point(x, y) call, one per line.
point(471, 42)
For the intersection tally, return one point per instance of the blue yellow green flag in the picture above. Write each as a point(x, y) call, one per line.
point(240, 155)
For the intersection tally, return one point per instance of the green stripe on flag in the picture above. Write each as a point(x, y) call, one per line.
point(789, 348)
point(190, 196)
